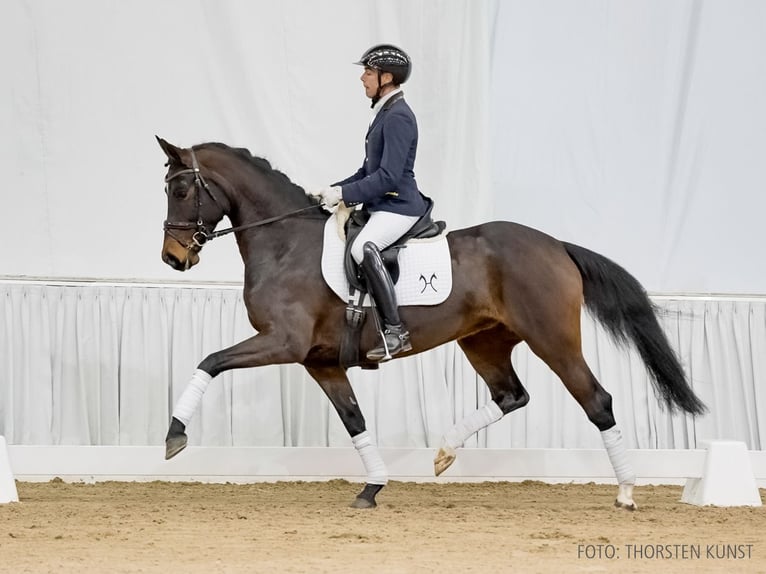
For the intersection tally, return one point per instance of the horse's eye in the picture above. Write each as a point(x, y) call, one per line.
point(180, 192)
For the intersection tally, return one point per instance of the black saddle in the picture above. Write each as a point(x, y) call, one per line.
point(423, 228)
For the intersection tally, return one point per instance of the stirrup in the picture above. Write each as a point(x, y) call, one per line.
point(395, 340)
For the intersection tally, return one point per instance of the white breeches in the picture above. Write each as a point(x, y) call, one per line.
point(383, 229)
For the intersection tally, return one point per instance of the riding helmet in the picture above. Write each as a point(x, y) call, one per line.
point(388, 58)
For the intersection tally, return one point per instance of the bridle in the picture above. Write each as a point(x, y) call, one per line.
point(201, 234)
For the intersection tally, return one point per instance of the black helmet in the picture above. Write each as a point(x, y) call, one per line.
point(388, 58)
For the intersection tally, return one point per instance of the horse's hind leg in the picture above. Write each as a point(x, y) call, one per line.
point(336, 386)
point(568, 363)
point(489, 352)
point(597, 404)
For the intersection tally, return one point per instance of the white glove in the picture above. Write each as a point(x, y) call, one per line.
point(331, 196)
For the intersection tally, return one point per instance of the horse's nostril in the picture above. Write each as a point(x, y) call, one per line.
point(172, 260)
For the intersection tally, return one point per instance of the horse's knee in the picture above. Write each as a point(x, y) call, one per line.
point(211, 364)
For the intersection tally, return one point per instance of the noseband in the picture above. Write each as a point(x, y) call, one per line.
point(201, 235)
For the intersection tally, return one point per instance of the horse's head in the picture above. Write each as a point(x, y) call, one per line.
point(195, 206)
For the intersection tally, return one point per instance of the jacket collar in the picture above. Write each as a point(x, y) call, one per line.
point(386, 104)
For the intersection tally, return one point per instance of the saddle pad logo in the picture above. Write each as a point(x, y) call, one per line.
point(429, 282)
point(425, 268)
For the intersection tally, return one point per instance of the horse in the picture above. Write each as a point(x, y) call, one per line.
point(511, 283)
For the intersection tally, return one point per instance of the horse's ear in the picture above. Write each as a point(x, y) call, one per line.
point(173, 153)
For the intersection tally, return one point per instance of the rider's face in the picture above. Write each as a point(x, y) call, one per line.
point(370, 81)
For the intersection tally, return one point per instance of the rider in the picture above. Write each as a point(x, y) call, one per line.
point(384, 185)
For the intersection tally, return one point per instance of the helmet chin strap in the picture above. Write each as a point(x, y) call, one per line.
point(376, 98)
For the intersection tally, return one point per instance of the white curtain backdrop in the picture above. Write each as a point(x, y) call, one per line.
point(636, 129)
point(103, 365)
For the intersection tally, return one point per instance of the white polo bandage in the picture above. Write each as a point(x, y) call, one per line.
point(189, 402)
point(371, 459)
point(618, 455)
point(473, 423)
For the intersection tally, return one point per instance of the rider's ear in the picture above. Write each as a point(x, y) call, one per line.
point(173, 153)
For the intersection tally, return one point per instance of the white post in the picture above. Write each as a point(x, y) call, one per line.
point(727, 478)
point(8, 491)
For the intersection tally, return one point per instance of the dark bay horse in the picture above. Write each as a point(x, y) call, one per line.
point(511, 284)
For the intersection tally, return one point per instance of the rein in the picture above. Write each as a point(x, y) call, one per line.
point(201, 235)
point(214, 234)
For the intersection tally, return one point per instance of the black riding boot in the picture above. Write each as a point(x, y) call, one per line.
point(396, 338)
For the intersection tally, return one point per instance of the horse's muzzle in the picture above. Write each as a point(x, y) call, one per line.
point(177, 256)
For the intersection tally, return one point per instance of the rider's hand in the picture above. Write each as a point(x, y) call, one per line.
point(331, 196)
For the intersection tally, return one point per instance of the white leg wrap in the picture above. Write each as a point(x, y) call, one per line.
point(474, 422)
point(189, 402)
point(373, 463)
point(618, 455)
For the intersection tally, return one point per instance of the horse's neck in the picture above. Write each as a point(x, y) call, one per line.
point(257, 197)
point(252, 194)
point(272, 253)
point(269, 242)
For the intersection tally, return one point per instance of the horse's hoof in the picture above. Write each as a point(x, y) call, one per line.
point(625, 498)
point(444, 459)
point(175, 440)
point(363, 503)
point(366, 498)
point(627, 506)
point(174, 445)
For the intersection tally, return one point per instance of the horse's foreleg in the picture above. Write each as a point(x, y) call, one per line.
point(256, 351)
point(336, 386)
point(489, 352)
point(184, 409)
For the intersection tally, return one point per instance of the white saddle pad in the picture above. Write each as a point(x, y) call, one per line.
point(425, 268)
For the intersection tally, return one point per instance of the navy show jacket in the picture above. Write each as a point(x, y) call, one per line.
point(386, 180)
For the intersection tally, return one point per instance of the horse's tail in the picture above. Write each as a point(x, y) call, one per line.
point(621, 304)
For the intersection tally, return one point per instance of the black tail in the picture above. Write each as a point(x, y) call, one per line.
point(621, 304)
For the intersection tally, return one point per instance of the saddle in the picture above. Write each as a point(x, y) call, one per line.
point(424, 228)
